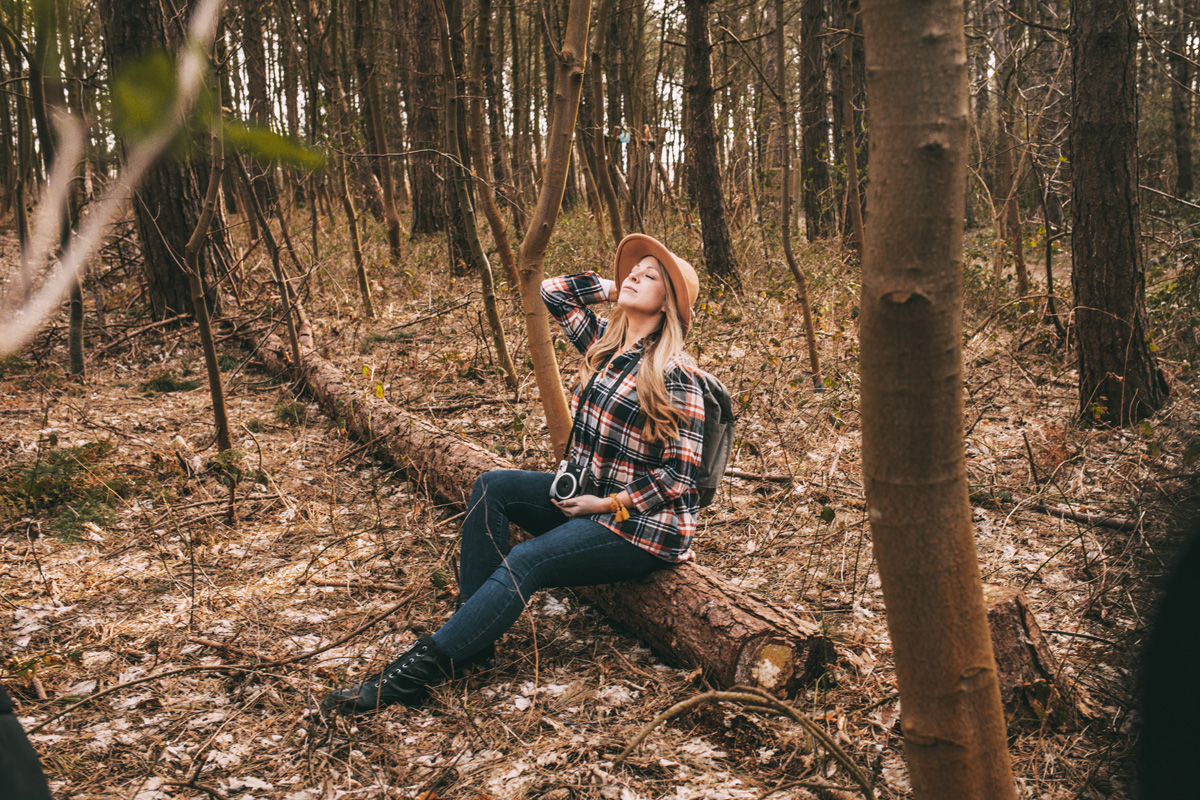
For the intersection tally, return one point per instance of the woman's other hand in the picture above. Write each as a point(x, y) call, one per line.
point(583, 505)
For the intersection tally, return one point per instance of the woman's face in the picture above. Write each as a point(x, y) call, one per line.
point(645, 289)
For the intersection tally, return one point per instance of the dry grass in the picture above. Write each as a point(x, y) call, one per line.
point(327, 539)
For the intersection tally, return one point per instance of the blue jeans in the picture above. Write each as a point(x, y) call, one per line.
point(496, 581)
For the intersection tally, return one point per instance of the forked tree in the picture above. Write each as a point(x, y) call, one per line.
point(914, 466)
point(568, 85)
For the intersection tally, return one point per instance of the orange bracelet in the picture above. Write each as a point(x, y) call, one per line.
point(621, 512)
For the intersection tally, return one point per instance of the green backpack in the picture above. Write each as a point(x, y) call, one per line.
point(718, 435)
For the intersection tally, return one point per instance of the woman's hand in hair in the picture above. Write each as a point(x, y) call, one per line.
point(583, 505)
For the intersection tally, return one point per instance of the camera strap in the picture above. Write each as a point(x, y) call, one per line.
point(603, 405)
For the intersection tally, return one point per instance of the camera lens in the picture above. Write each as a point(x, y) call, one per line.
point(564, 486)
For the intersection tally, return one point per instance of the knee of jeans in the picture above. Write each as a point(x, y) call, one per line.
point(483, 489)
point(490, 484)
point(513, 581)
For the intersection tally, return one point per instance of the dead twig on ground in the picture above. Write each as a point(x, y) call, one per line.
point(1103, 520)
point(753, 699)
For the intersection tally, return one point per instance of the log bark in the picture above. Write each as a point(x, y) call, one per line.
point(1033, 688)
point(689, 614)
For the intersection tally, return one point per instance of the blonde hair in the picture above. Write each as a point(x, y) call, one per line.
point(661, 417)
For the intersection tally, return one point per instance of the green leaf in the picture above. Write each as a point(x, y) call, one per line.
point(143, 94)
point(1192, 454)
point(440, 578)
point(267, 146)
point(827, 514)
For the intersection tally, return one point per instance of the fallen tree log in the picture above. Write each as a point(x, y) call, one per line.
point(689, 614)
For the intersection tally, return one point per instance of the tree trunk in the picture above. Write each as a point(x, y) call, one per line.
point(600, 128)
point(520, 157)
point(688, 613)
point(422, 102)
point(484, 187)
point(167, 204)
point(914, 467)
point(705, 171)
point(254, 60)
point(372, 102)
point(1181, 100)
point(1008, 223)
point(849, 142)
point(492, 91)
point(340, 122)
point(46, 92)
point(568, 86)
point(785, 183)
point(814, 136)
point(463, 191)
point(458, 240)
point(1118, 380)
point(207, 343)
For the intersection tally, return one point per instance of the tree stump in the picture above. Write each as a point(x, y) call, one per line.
point(1033, 688)
point(688, 614)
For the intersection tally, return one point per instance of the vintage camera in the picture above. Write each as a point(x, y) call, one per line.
point(568, 480)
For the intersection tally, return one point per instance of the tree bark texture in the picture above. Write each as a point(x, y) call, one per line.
point(785, 185)
point(462, 186)
point(167, 204)
point(849, 141)
point(423, 101)
point(1181, 99)
point(1118, 380)
point(485, 187)
point(688, 613)
point(46, 93)
point(705, 171)
point(254, 59)
point(373, 108)
point(1033, 688)
point(814, 123)
point(600, 128)
point(914, 467)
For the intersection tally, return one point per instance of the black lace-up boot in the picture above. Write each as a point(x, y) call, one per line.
point(405, 680)
point(481, 659)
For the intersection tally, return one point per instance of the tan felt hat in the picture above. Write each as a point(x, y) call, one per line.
point(636, 246)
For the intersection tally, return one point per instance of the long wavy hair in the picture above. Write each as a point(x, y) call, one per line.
point(661, 418)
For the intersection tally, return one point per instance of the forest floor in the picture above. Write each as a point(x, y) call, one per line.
point(119, 561)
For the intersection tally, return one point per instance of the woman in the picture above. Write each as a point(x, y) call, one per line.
point(638, 435)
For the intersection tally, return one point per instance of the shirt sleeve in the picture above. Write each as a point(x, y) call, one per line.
point(681, 456)
point(567, 297)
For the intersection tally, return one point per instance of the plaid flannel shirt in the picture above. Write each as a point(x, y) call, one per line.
point(659, 477)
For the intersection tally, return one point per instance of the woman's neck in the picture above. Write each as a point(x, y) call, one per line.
point(639, 328)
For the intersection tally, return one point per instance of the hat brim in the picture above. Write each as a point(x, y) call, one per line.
point(636, 246)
